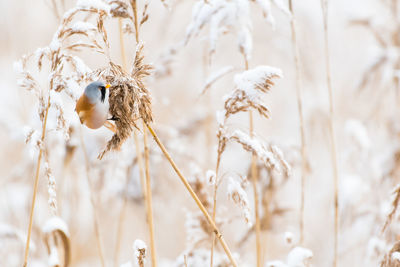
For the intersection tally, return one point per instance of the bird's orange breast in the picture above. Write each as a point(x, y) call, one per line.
point(84, 108)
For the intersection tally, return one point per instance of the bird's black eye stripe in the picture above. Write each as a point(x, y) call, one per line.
point(103, 93)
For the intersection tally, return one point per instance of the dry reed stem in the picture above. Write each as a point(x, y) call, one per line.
point(254, 178)
point(138, 153)
point(92, 201)
point(134, 9)
point(194, 196)
point(304, 168)
point(149, 205)
point(324, 4)
point(214, 212)
point(35, 188)
point(185, 260)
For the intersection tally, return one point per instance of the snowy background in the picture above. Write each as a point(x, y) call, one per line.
point(365, 62)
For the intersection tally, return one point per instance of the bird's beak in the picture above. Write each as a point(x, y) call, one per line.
point(108, 85)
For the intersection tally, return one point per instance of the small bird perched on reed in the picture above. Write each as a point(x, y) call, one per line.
point(92, 107)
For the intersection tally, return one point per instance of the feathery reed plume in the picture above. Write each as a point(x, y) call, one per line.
point(56, 238)
point(304, 163)
point(129, 99)
point(324, 5)
point(28, 82)
point(250, 85)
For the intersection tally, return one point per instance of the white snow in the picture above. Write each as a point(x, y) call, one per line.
point(248, 81)
point(54, 259)
point(359, 133)
point(55, 223)
point(96, 4)
point(126, 264)
point(298, 257)
point(239, 196)
point(396, 256)
point(82, 26)
point(137, 246)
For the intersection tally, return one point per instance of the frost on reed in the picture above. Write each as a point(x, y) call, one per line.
point(297, 257)
point(236, 192)
point(56, 237)
point(229, 16)
point(250, 87)
point(139, 248)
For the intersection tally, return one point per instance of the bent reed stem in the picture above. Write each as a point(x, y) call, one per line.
point(193, 195)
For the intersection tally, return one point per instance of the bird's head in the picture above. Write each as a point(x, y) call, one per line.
point(96, 91)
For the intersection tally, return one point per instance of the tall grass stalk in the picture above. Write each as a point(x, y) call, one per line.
point(324, 4)
point(149, 205)
point(35, 187)
point(254, 178)
point(138, 155)
point(194, 196)
point(304, 168)
point(214, 211)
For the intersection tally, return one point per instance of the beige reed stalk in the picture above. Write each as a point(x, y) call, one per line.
point(299, 86)
point(139, 158)
point(194, 196)
point(214, 211)
point(324, 4)
point(92, 201)
point(149, 205)
point(149, 202)
point(35, 187)
point(254, 178)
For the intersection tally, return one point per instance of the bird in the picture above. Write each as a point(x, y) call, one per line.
point(92, 107)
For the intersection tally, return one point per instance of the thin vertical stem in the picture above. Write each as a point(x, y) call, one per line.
point(92, 201)
point(194, 196)
point(138, 155)
point(324, 4)
point(135, 17)
point(214, 211)
point(149, 205)
point(35, 187)
point(301, 120)
point(254, 178)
